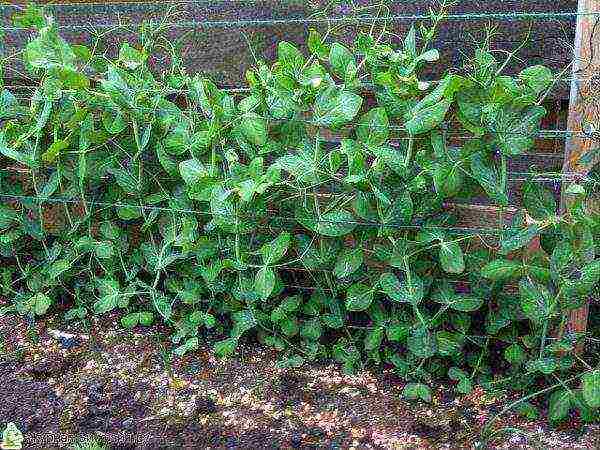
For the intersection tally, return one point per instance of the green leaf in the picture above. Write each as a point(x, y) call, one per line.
point(124, 179)
point(515, 133)
point(466, 303)
point(451, 257)
point(291, 304)
point(448, 179)
point(486, 174)
point(109, 295)
point(202, 318)
point(410, 41)
point(243, 321)
point(527, 410)
point(459, 302)
point(254, 128)
point(562, 256)
point(421, 343)
point(448, 343)
point(539, 201)
point(464, 385)
point(48, 50)
point(130, 320)
point(405, 291)
point(502, 270)
point(57, 268)
point(591, 388)
point(289, 56)
point(412, 289)
point(289, 326)
point(590, 276)
point(274, 250)
point(538, 78)
point(358, 297)
point(545, 366)
point(342, 62)
point(516, 238)
point(130, 57)
point(400, 211)
point(332, 224)
point(515, 354)
point(226, 347)
point(373, 127)
point(113, 122)
point(264, 282)
point(454, 373)
point(22, 157)
point(417, 391)
point(335, 107)
point(311, 329)
point(348, 262)
point(397, 331)
point(290, 362)
point(41, 303)
point(559, 406)
point(374, 338)
point(536, 300)
point(51, 185)
point(423, 119)
point(8, 216)
point(73, 79)
point(54, 150)
point(9, 105)
point(104, 250)
point(390, 286)
point(189, 345)
point(430, 55)
point(146, 318)
point(163, 306)
point(316, 45)
point(192, 171)
point(129, 212)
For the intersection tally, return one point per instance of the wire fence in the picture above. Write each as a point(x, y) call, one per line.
point(129, 22)
point(222, 49)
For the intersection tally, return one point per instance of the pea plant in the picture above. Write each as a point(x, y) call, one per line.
point(310, 212)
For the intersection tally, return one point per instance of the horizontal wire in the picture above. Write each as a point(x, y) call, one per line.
point(195, 2)
point(542, 134)
point(509, 16)
point(546, 133)
point(537, 178)
point(466, 230)
point(366, 86)
point(543, 173)
point(161, 3)
point(130, 3)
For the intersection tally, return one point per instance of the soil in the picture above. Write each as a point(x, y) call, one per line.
point(62, 382)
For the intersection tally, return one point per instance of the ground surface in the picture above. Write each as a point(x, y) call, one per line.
point(121, 385)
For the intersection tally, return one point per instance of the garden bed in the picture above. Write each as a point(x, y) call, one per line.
point(120, 385)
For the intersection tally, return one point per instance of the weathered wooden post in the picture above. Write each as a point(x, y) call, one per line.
point(584, 115)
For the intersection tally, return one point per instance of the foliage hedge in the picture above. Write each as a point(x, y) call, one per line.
point(311, 211)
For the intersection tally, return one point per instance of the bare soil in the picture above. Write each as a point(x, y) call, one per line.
point(123, 386)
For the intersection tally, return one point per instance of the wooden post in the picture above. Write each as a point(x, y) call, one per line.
point(584, 115)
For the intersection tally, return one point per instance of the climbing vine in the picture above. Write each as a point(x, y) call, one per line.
point(311, 211)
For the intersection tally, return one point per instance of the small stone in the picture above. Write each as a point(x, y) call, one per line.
point(128, 423)
point(296, 440)
point(69, 343)
point(48, 367)
point(231, 442)
point(205, 405)
point(90, 365)
point(316, 432)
